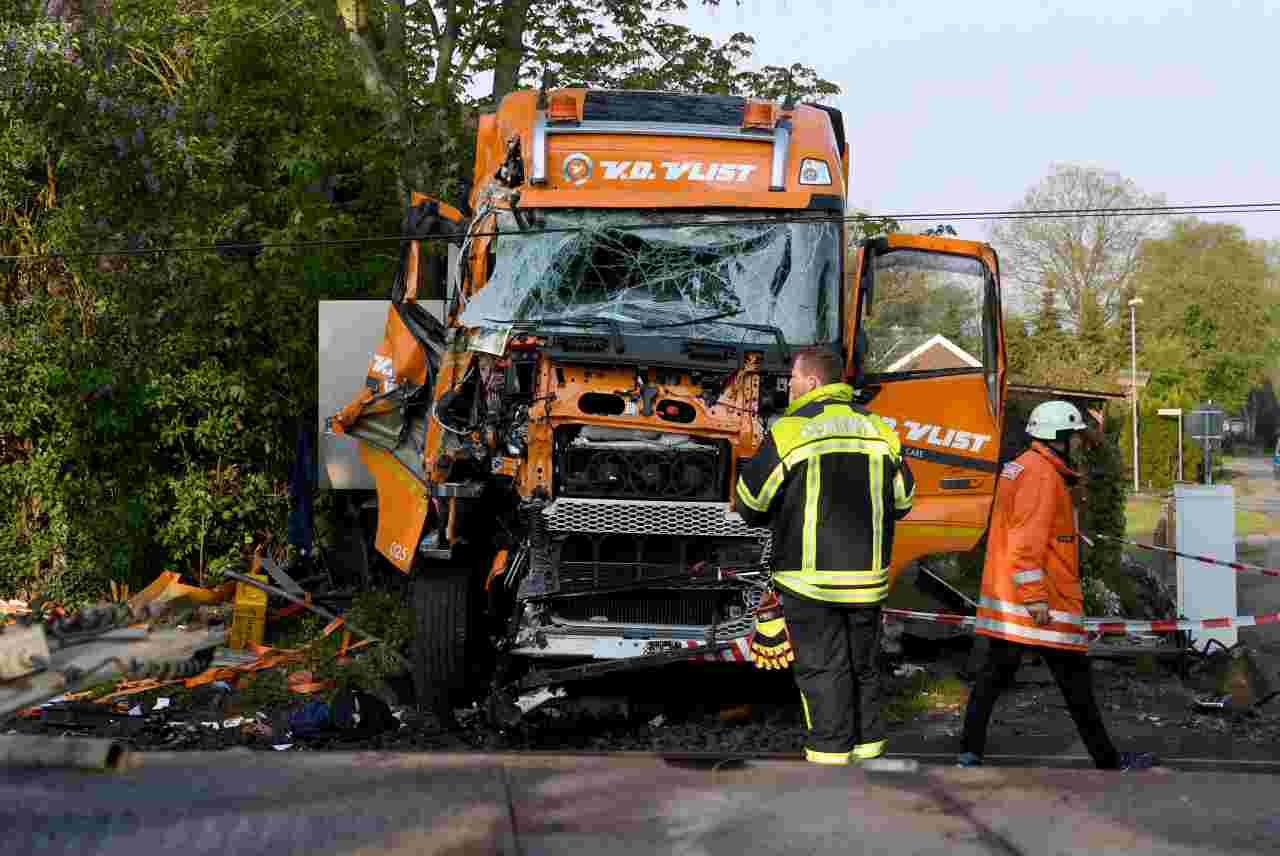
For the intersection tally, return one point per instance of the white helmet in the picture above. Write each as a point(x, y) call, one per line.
point(1053, 417)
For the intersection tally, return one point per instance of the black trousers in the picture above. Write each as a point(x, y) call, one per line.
point(836, 670)
point(1071, 671)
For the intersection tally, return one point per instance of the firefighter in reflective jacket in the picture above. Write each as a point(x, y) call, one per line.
point(1031, 593)
point(831, 481)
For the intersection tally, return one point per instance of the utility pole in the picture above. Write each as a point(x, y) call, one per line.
point(1133, 378)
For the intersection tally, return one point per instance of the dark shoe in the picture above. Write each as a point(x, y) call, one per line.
point(1136, 761)
point(968, 759)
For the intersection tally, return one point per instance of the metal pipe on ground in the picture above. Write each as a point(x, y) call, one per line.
point(24, 750)
point(320, 611)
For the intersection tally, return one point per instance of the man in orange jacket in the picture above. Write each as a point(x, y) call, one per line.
point(1031, 593)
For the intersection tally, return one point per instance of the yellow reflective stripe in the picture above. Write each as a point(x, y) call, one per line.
point(804, 586)
point(875, 448)
point(804, 703)
point(901, 498)
point(839, 577)
point(877, 509)
point(815, 757)
point(869, 750)
point(761, 501)
point(813, 489)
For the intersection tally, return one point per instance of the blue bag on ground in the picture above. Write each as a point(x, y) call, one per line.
point(311, 719)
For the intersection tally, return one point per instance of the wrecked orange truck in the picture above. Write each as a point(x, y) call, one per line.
point(555, 452)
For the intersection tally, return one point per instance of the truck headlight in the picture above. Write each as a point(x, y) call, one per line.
point(814, 172)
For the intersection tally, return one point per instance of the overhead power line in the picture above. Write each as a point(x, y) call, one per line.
point(797, 217)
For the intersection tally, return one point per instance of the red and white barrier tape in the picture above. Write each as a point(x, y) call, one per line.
point(1235, 566)
point(1110, 625)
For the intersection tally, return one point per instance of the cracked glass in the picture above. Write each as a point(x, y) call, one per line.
point(666, 268)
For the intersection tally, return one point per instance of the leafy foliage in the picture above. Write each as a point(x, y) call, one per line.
point(1079, 257)
point(1158, 451)
point(154, 394)
point(152, 398)
point(1212, 320)
point(1208, 327)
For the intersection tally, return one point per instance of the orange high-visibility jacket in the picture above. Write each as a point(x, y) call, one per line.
point(1033, 556)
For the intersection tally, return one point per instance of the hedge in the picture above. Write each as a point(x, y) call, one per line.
point(1158, 451)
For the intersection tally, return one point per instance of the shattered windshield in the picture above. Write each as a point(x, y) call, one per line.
point(662, 269)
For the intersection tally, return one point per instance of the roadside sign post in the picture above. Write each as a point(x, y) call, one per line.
point(1206, 426)
point(1175, 411)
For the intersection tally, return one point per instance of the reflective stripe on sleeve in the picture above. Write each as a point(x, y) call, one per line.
point(761, 501)
point(1023, 577)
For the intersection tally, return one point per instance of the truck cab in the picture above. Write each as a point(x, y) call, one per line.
point(632, 274)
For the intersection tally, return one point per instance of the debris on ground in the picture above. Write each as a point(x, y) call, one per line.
point(735, 713)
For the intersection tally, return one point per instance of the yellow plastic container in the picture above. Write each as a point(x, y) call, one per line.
point(249, 617)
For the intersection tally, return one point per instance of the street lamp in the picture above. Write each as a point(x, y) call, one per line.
point(1133, 379)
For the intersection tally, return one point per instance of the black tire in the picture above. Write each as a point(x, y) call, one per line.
point(441, 619)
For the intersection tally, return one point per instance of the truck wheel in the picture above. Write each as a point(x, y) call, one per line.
point(441, 617)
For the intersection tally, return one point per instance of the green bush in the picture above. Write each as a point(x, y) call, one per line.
point(149, 400)
point(1158, 451)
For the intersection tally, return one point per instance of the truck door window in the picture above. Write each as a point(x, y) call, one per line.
point(932, 314)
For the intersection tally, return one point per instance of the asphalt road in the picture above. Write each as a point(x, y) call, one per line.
point(366, 803)
point(1260, 490)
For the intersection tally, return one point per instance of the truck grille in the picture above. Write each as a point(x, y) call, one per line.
point(688, 608)
point(654, 517)
point(579, 545)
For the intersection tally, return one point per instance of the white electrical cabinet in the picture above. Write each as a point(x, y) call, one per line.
point(1206, 526)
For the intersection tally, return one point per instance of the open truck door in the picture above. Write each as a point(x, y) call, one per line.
point(390, 413)
point(927, 353)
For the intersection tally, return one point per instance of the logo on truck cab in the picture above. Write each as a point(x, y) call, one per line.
point(578, 170)
point(939, 435)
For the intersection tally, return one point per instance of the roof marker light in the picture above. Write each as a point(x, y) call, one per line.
point(760, 114)
point(563, 108)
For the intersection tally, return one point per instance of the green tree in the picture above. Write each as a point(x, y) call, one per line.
point(1080, 253)
point(151, 398)
point(1211, 314)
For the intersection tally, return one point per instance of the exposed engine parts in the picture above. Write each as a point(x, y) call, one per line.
point(622, 463)
point(636, 529)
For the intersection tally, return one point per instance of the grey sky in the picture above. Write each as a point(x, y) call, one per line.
point(963, 106)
